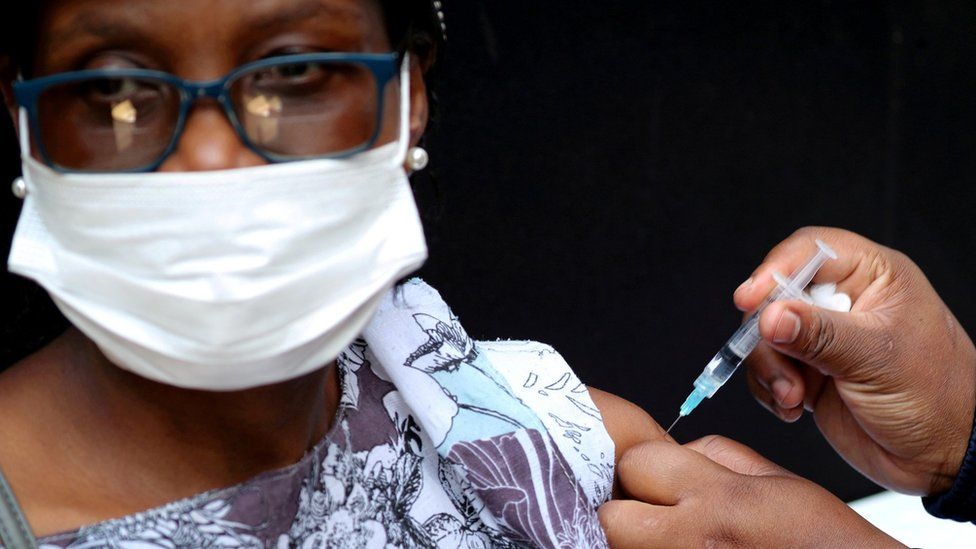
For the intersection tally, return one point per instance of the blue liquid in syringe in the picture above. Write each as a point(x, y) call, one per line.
point(719, 369)
point(729, 362)
point(725, 362)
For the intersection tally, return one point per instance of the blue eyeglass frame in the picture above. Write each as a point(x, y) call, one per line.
point(384, 67)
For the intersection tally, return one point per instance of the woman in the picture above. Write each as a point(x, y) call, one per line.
point(215, 198)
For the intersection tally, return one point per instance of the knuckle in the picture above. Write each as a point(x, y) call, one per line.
point(840, 234)
point(740, 490)
point(648, 522)
point(895, 257)
point(736, 493)
point(806, 232)
point(880, 263)
point(821, 337)
point(635, 457)
point(620, 517)
point(813, 232)
point(722, 538)
point(832, 235)
point(609, 515)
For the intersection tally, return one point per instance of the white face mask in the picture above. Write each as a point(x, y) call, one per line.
point(223, 280)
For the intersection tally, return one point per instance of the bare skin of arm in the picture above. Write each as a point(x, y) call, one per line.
point(627, 423)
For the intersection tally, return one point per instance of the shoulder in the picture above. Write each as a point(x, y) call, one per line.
point(30, 428)
point(537, 369)
point(583, 418)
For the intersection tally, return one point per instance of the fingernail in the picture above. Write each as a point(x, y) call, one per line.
point(781, 390)
point(744, 285)
point(792, 415)
point(787, 327)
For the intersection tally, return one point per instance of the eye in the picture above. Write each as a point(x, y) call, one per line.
point(130, 94)
point(297, 70)
point(112, 90)
point(290, 75)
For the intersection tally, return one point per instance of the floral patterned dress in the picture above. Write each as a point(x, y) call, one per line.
point(439, 441)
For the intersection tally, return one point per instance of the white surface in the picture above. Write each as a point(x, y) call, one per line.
point(904, 518)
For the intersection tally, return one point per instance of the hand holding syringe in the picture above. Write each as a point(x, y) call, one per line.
point(747, 337)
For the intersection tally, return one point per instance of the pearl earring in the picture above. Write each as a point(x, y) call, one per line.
point(417, 159)
point(19, 188)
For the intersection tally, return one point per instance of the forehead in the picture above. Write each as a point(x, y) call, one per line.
point(180, 28)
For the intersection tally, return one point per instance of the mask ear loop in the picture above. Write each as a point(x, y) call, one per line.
point(23, 127)
point(20, 186)
point(23, 131)
point(404, 140)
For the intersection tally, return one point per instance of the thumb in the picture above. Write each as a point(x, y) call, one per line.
point(846, 345)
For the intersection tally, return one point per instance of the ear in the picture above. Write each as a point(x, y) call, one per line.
point(7, 75)
point(419, 105)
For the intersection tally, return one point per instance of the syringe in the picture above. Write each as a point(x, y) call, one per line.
point(747, 337)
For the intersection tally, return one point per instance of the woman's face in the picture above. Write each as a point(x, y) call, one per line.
point(203, 40)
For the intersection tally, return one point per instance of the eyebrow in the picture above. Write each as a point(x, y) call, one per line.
point(95, 24)
point(91, 24)
point(55, 46)
point(98, 24)
point(308, 10)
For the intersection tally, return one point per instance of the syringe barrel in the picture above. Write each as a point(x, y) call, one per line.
point(747, 337)
point(718, 371)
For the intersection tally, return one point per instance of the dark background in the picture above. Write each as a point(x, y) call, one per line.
point(609, 171)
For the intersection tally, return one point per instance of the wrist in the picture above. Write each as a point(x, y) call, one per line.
point(856, 531)
point(958, 429)
point(837, 525)
point(958, 501)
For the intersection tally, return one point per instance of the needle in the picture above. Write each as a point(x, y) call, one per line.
point(668, 432)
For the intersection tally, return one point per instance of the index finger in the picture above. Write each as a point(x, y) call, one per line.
point(853, 271)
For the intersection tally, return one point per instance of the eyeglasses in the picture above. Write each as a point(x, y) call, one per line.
point(294, 107)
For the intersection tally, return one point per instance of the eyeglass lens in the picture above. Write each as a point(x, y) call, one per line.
point(290, 110)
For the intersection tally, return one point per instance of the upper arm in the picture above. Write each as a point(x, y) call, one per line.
point(627, 423)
